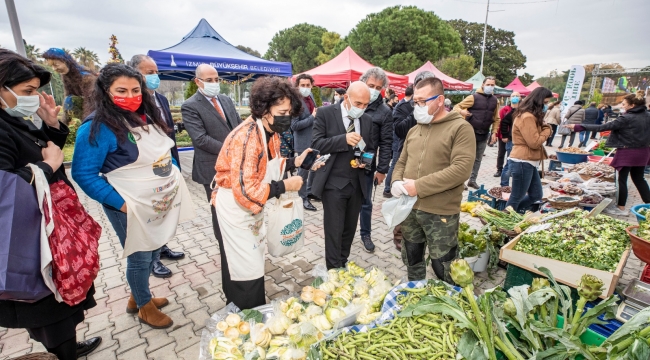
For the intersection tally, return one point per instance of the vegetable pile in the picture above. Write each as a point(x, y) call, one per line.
point(592, 169)
point(472, 243)
point(423, 336)
point(498, 191)
point(508, 219)
point(572, 150)
point(596, 242)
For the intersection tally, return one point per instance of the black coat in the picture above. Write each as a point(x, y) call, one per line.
point(591, 115)
point(403, 121)
point(382, 134)
point(16, 151)
point(630, 130)
point(505, 127)
point(330, 138)
point(164, 105)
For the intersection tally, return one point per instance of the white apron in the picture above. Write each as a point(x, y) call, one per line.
point(244, 234)
point(154, 190)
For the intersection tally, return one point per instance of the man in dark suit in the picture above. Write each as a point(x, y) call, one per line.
point(149, 70)
point(302, 127)
point(339, 130)
point(208, 118)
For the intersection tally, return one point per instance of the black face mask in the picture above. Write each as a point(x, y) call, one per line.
point(280, 123)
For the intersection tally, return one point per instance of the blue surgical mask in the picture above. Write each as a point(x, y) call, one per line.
point(514, 100)
point(374, 94)
point(545, 107)
point(355, 112)
point(153, 81)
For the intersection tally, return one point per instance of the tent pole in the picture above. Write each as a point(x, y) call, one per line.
point(15, 27)
point(487, 12)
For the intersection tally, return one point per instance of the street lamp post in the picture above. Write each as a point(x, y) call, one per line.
point(487, 12)
point(15, 27)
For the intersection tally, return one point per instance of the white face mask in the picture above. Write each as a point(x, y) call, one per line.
point(25, 105)
point(211, 89)
point(374, 94)
point(421, 114)
point(304, 91)
point(355, 112)
point(488, 89)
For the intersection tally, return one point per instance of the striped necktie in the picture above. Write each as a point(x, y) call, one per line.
point(351, 126)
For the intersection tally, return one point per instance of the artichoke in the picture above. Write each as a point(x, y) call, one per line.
point(461, 273)
point(590, 287)
point(539, 283)
point(510, 308)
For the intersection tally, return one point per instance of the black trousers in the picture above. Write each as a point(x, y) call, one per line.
point(245, 294)
point(501, 155)
point(637, 174)
point(341, 210)
point(549, 141)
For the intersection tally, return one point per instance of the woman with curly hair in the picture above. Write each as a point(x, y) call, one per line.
point(78, 82)
point(249, 172)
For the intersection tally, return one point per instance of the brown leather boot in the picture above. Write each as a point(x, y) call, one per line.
point(153, 317)
point(132, 307)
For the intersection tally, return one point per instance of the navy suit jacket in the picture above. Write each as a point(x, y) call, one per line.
point(164, 104)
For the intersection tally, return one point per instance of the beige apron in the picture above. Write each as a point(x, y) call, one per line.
point(244, 234)
point(154, 190)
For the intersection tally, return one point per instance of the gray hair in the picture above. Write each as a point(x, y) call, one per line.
point(136, 60)
point(377, 73)
point(447, 102)
point(489, 78)
point(423, 75)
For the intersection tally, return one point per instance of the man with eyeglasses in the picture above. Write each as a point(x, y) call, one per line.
point(208, 118)
point(436, 160)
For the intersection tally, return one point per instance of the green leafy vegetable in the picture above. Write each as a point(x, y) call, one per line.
point(250, 314)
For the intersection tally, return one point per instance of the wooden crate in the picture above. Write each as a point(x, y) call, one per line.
point(565, 273)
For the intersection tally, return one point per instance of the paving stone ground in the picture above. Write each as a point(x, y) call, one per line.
point(194, 291)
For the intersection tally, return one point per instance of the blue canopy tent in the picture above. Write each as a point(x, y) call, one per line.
point(203, 45)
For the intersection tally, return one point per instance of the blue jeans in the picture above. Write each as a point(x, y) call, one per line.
point(365, 217)
point(526, 186)
point(389, 176)
point(138, 264)
point(584, 137)
point(505, 174)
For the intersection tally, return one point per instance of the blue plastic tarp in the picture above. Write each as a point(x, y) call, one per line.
point(203, 45)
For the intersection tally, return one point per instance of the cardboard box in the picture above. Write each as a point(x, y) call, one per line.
point(565, 273)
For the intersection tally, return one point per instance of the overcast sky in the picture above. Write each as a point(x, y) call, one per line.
point(552, 34)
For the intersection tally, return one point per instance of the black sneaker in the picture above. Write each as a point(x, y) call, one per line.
point(367, 243)
point(497, 174)
point(472, 184)
point(388, 195)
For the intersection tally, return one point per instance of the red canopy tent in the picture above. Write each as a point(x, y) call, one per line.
point(517, 86)
point(346, 68)
point(534, 85)
point(448, 82)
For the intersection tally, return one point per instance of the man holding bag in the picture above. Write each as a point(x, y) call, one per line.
point(437, 181)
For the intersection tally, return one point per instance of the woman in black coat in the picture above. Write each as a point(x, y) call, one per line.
point(47, 321)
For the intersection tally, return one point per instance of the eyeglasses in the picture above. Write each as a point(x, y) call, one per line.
point(209, 80)
point(424, 102)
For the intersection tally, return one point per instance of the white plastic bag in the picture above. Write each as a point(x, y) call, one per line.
point(286, 225)
point(396, 209)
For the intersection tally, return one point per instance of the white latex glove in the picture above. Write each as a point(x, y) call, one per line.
point(397, 189)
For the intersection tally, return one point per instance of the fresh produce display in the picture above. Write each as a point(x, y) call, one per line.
point(601, 146)
point(298, 322)
point(597, 170)
point(566, 188)
point(497, 191)
point(593, 199)
point(644, 229)
point(424, 336)
point(508, 219)
point(596, 242)
point(469, 207)
point(553, 174)
point(573, 150)
point(643, 211)
point(472, 243)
